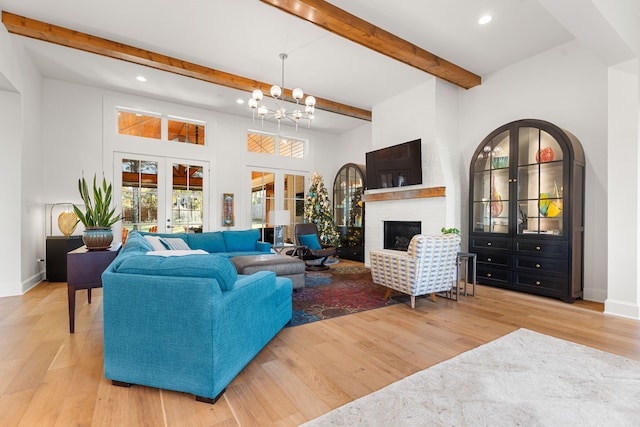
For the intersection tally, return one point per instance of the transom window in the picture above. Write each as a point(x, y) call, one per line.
point(265, 143)
point(155, 125)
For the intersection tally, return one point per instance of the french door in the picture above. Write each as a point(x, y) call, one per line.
point(161, 194)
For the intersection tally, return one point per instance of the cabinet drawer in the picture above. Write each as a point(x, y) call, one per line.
point(487, 243)
point(540, 284)
point(541, 265)
point(542, 248)
point(493, 276)
point(494, 259)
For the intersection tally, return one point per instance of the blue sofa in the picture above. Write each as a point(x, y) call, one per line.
point(228, 243)
point(186, 323)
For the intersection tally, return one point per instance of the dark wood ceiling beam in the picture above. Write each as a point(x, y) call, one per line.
point(74, 39)
point(344, 24)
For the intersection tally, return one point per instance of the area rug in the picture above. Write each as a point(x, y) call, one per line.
point(336, 292)
point(522, 379)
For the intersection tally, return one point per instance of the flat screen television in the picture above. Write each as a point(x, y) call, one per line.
point(395, 166)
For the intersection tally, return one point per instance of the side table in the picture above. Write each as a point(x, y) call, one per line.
point(287, 246)
point(463, 258)
point(84, 271)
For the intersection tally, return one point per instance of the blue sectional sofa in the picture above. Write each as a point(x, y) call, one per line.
point(186, 323)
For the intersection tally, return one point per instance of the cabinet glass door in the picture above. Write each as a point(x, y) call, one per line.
point(491, 186)
point(540, 183)
point(340, 207)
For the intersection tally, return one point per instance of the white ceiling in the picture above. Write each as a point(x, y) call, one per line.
point(244, 37)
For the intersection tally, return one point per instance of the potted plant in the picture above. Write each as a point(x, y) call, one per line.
point(98, 215)
point(449, 230)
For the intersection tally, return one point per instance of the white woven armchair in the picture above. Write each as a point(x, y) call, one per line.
point(428, 266)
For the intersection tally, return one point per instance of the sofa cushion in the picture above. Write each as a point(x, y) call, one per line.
point(211, 242)
point(175, 243)
point(210, 265)
point(310, 241)
point(238, 241)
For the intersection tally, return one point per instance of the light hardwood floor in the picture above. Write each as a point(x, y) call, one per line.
point(49, 377)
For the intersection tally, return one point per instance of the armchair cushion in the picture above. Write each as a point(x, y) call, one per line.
point(310, 241)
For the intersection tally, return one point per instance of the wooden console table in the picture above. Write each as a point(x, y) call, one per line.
point(84, 271)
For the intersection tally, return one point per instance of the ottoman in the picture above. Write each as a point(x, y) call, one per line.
point(282, 265)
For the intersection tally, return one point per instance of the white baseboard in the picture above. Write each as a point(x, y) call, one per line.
point(622, 309)
point(596, 295)
point(32, 281)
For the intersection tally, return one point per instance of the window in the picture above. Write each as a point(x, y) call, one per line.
point(266, 144)
point(261, 143)
point(262, 197)
point(139, 194)
point(155, 125)
point(140, 124)
point(187, 198)
point(291, 148)
point(293, 202)
point(181, 130)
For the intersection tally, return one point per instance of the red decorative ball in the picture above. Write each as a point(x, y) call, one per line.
point(545, 155)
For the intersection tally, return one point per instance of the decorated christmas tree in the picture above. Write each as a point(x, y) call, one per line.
point(317, 210)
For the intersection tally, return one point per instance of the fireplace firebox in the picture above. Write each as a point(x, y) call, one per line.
point(398, 234)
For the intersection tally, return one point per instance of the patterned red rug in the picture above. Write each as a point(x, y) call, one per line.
point(337, 292)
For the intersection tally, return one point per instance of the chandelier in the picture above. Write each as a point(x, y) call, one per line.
point(279, 112)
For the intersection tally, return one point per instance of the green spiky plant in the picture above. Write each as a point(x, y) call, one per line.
point(98, 212)
point(449, 230)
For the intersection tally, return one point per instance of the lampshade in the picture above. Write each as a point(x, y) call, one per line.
point(279, 217)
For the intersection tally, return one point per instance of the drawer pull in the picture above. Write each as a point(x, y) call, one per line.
point(488, 274)
point(538, 248)
point(538, 283)
point(537, 265)
point(489, 259)
point(488, 243)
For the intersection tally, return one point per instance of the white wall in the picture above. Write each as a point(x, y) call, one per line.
point(20, 169)
point(73, 123)
point(429, 112)
point(338, 150)
point(10, 192)
point(624, 191)
point(567, 86)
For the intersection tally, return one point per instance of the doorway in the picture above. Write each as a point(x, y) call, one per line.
point(161, 194)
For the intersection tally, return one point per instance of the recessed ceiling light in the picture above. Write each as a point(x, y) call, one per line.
point(141, 79)
point(240, 101)
point(484, 19)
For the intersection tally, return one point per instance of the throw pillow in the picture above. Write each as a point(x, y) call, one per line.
point(155, 243)
point(310, 241)
point(136, 243)
point(175, 244)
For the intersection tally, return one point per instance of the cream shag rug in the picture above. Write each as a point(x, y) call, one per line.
point(521, 379)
